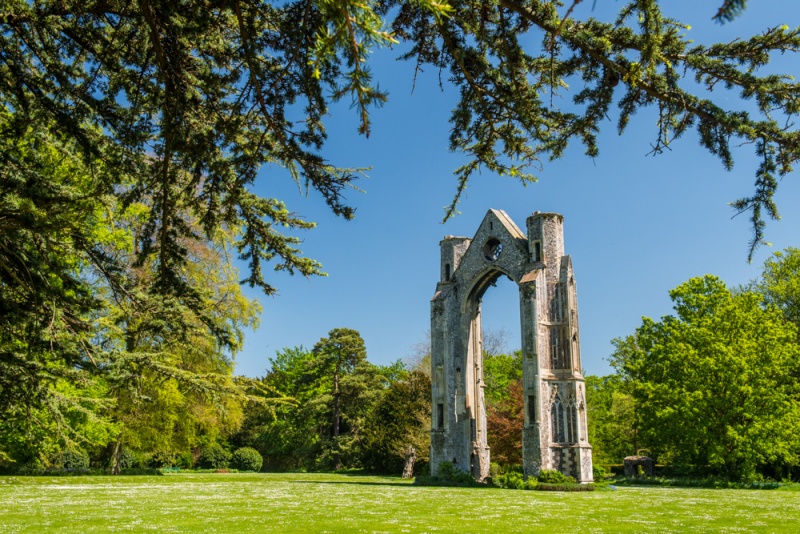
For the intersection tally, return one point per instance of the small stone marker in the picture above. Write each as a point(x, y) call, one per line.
point(411, 457)
point(632, 463)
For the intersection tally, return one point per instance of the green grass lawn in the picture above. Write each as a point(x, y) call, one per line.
point(249, 502)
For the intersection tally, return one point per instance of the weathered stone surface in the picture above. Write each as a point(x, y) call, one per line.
point(632, 463)
point(555, 433)
point(411, 458)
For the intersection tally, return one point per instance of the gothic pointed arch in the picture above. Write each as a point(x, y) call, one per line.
point(551, 437)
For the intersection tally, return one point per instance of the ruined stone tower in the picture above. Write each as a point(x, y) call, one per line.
point(554, 434)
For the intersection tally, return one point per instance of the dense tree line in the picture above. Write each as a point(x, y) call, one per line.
point(336, 411)
point(346, 412)
point(712, 390)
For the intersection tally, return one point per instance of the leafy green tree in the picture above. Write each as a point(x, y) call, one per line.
point(715, 385)
point(285, 434)
point(500, 371)
point(399, 418)
point(173, 369)
point(88, 350)
point(333, 383)
point(612, 419)
point(780, 283)
point(53, 225)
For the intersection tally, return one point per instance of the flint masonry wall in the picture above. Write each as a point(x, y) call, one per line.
point(554, 434)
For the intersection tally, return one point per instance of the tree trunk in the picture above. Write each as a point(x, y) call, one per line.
point(411, 457)
point(337, 460)
point(116, 458)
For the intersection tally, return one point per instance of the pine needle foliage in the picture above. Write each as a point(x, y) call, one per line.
point(194, 97)
point(506, 120)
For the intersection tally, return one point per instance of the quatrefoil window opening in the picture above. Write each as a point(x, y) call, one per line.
point(492, 249)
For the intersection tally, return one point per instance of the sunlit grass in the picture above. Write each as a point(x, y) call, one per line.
point(249, 502)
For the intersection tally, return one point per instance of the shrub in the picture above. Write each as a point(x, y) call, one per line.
point(551, 476)
point(184, 460)
point(495, 469)
point(447, 475)
point(599, 473)
point(71, 459)
point(501, 469)
point(449, 472)
point(127, 459)
point(421, 466)
point(213, 457)
point(161, 459)
point(33, 464)
point(247, 459)
point(511, 480)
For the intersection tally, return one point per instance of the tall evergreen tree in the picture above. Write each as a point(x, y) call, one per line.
point(340, 354)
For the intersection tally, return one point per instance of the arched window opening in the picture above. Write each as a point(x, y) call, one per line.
point(572, 426)
point(500, 339)
point(555, 302)
point(557, 420)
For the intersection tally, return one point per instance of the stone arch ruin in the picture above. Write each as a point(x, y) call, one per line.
point(555, 433)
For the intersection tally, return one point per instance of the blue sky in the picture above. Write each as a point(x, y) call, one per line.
point(635, 225)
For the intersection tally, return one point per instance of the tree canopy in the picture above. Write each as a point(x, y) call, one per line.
point(347, 412)
point(190, 99)
point(716, 384)
point(780, 283)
